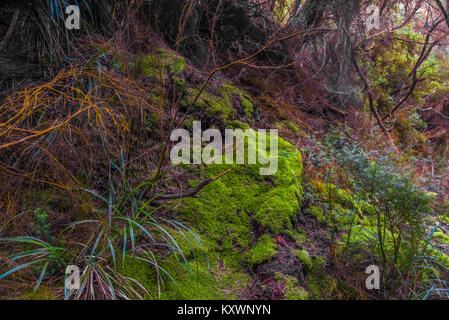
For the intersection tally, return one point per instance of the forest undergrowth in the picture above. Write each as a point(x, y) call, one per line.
point(86, 178)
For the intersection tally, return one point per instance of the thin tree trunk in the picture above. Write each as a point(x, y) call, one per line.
point(11, 28)
point(309, 14)
point(371, 103)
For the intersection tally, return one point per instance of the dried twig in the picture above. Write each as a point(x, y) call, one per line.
point(192, 192)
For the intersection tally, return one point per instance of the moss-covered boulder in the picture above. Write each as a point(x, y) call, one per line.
point(228, 103)
point(160, 62)
point(263, 250)
point(237, 216)
point(232, 211)
point(292, 289)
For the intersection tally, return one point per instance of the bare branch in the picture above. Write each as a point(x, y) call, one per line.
point(192, 192)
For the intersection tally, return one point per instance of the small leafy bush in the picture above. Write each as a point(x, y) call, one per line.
point(393, 208)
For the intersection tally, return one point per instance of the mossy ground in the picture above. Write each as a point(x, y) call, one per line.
point(43, 293)
point(292, 289)
point(202, 278)
point(263, 250)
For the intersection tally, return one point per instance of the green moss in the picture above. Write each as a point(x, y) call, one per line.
point(290, 126)
point(202, 283)
point(445, 218)
point(292, 289)
point(192, 281)
point(178, 66)
point(440, 235)
point(304, 257)
point(140, 271)
point(43, 293)
point(221, 212)
point(203, 279)
point(318, 263)
point(235, 124)
point(221, 105)
point(229, 91)
point(319, 283)
point(224, 209)
point(317, 212)
point(264, 250)
point(160, 62)
point(290, 166)
point(215, 105)
point(277, 207)
point(297, 235)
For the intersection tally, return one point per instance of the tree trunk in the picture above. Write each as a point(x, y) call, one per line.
point(309, 15)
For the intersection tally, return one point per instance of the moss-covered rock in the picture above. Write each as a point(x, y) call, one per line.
point(440, 235)
point(225, 209)
point(277, 207)
point(292, 289)
point(264, 250)
point(225, 105)
point(319, 283)
point(230, 213)
point(161, 61)
point(304, 257)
